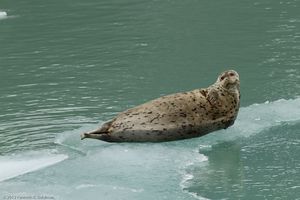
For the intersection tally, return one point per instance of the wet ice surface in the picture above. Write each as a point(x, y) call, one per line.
point(219, 165)
point(16, 165)
point(111, 171)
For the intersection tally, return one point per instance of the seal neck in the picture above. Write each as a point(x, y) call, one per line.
point(233, 89)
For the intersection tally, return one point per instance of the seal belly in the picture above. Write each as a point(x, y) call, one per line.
point(166, 130)
point(166, 134)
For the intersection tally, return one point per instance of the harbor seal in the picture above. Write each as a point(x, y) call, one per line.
point(176, 116)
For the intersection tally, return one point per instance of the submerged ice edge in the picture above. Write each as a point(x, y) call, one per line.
point(14, 166)
point(186, 176)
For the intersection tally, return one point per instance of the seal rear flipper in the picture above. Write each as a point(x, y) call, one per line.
point(104, 136)
point(100, 133)
point(103, 129)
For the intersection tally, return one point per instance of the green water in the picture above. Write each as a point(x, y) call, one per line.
point(67, 66)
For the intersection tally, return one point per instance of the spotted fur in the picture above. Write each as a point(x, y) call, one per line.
point(177, 116)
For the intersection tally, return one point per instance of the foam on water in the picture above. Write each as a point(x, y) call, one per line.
point(16, 165)
point(3, 15)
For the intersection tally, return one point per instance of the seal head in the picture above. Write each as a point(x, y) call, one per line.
point(229, 80)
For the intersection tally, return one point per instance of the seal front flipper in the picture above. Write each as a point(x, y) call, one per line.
point(229, 123)
point(213, 97)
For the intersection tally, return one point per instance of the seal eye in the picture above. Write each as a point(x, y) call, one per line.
point(231, 74)
point(222, 78)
